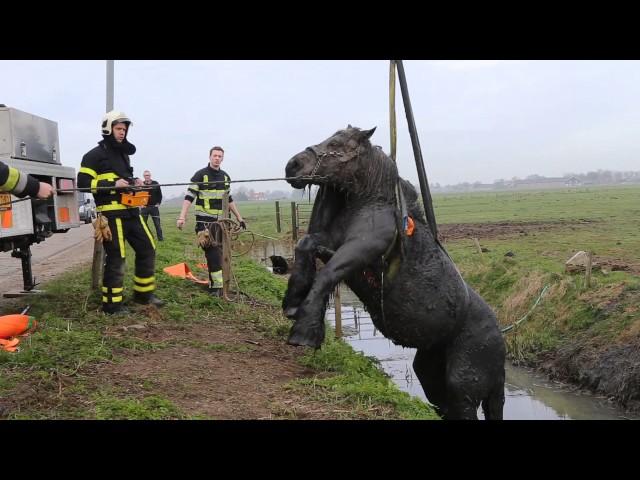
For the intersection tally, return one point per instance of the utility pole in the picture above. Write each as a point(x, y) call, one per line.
point(98, 250)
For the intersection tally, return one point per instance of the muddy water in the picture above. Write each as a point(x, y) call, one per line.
point(528, 395)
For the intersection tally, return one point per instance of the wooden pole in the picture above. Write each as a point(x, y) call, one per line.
point(475, 240)
point(278, 227)
point(226, 250)
point(97, 265)
point(338, 309)
point(294, 223)
point(587, 273)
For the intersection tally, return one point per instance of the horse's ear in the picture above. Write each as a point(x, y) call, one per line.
point(366, 134)
point(349, 126)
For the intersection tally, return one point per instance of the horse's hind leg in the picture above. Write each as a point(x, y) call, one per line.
point(492, 405)
point(430, 368)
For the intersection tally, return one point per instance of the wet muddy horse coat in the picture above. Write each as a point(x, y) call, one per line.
point(409, 285)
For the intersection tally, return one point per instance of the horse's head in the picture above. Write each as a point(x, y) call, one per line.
point(334, 159)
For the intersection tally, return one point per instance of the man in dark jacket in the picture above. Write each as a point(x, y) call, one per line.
point(107, 171)
point(154, 202)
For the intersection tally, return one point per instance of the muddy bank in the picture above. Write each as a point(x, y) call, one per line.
point(457, 231)
point(613, 370)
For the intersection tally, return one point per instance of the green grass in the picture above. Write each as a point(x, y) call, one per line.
point(359, 381)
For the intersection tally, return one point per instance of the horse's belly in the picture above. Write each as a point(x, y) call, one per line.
point(420, 315)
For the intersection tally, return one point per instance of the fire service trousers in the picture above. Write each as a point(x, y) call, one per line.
point(129, 227)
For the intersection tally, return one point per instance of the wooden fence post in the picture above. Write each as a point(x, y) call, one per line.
point(587, 271)
point(294, 222)
point(475, 240)
point(338, 311)
point(98, 265)
point(278, 227)
point(226, 249)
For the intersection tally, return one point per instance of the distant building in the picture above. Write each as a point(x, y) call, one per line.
point(544, 182)
point(257, 196)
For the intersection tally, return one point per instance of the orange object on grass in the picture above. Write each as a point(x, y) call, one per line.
point(182, 270)
point(9, 345)
point(17, 324)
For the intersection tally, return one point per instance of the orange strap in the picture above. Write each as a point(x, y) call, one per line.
point(410, 226)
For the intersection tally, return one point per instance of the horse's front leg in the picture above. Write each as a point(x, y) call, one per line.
point(303, 273)
point(308, 329)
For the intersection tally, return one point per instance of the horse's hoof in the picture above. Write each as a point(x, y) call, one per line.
point(309, 337)
point(290, 312)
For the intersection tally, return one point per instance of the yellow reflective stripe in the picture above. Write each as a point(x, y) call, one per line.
point(113, 290)
point(105, 299)
point(120, 236)
point(205, 201)
point(116, 299)
point(12, 180)
point(217, 194)
point(88, 171)
point(108, 176)
point(144, 281)
point(94, 186)
point(216, 278)
point(210, 211)
point(146, 229)
point(148, 288)
point(113, 206)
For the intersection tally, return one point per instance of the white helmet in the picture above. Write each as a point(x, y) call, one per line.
point(113, 117)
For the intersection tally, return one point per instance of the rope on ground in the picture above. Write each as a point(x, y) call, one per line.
point(513, 325)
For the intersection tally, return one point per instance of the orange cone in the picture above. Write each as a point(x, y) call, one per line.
point(178, 270)
point(182, 270)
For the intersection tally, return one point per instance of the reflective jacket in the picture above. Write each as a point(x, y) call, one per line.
point(209, 197)
point(101, 167)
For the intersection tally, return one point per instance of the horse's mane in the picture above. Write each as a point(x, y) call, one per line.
point(377, 174)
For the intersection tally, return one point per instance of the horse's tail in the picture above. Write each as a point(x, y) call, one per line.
point(494, 402)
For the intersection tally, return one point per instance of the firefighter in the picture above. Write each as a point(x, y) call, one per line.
point(22, 184)
point(208, 210)
point(108, 165)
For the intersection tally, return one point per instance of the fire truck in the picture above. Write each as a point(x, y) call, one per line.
point(30, 143)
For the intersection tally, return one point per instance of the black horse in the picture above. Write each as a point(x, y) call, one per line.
point(409, 285)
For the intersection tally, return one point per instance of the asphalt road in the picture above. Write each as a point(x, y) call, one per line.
point(56, 254)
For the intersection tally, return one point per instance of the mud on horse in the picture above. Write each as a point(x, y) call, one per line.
point(409, 285)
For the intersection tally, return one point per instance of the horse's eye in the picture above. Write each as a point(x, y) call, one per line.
point(333, 143)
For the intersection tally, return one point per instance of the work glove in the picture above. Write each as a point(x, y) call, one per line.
point(243, 225)
point(102, 230)
point(204, 238)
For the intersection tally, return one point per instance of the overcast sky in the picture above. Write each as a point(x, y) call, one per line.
point(477, 120)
